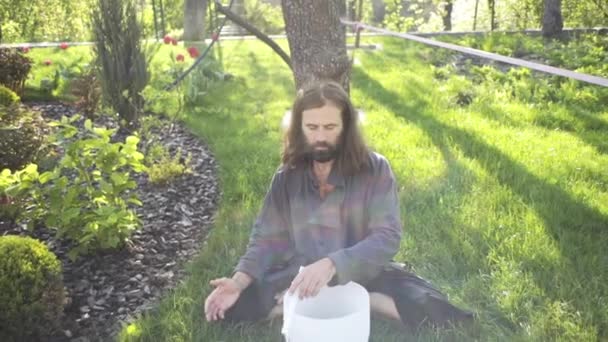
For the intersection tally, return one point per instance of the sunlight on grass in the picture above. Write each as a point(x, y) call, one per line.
point(504, 199)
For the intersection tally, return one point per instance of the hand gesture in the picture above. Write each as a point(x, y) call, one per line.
point(222, 298)
point(312, 278)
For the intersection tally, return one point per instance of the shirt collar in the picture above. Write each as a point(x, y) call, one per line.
point(334, 178)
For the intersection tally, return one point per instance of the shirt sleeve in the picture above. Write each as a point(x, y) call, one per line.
point(269, 239)
point(378, 248)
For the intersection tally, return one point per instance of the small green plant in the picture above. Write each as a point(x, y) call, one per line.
point(16, 191)
point(14, 68)
point(162, 168)
point(8, 97)
point(86, 197)
point(31, 289)
point(22, 137)
point(87, 89)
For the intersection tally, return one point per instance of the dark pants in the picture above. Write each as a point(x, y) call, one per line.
point(417, 301)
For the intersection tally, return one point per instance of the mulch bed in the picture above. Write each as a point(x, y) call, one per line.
point(109, 289)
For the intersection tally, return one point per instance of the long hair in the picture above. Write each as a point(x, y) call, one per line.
point(353, 155)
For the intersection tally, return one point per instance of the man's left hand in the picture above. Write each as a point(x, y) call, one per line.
point(312, 278)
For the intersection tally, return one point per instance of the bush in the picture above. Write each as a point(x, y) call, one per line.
point(14, 68)
point(15, 191)
point(265, 17)
point(123, 65)
point(162, 168)
point(86, 197)
point(87, 89)
point(22, 137)
point(31, 289)
point(8, 97)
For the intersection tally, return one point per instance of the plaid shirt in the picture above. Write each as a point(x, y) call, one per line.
point(357, 225)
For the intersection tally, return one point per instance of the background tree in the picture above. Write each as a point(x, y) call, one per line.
point(447, 15)
point(194, 19)
point(553, 23)
point(492, 8)
point(317, 40)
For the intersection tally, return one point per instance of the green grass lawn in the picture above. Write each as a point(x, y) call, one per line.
point(503, 187)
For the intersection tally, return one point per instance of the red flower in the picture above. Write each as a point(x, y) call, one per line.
point(63, 45)
point(48, 62)
point(193, 52)
point(167, 39)
point(173, 41)
point(215, 36)
point(25, 49)
point(179, 57)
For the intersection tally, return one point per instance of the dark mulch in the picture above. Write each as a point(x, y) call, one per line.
point(108, 289)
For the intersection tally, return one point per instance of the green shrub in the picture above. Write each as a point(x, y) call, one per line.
point(31, 289)
point(15, 191)
point(87, 89)
point(14, 68)
point(265, 17)
point(162, 168)
point(123, 65)
point(86, 197)
point(22, 137)
point(8, 97)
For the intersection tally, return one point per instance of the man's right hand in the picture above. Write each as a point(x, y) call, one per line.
point(223, 297)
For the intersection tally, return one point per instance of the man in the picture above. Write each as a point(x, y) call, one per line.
point(333, 208)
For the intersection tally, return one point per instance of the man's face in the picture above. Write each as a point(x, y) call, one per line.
point(322, 128)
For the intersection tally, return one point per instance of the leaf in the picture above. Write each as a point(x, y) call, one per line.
point(88, 124)
point(135, 201)
point(46, 176)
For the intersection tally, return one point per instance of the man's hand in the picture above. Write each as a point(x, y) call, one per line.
point(225, 294)
point(312, 278)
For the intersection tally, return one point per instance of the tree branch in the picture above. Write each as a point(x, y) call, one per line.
point(251, 29)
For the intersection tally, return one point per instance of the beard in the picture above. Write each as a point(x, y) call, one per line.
point(322, 152)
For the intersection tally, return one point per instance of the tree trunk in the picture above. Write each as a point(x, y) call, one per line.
point(447, 15)
point(475, 17)
point(317, 41)
point(379, 10)
point(492, 8)
point(352, 10)
point(194, 19)
point(552, 18)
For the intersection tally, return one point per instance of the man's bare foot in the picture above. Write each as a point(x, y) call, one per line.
point(383, 305)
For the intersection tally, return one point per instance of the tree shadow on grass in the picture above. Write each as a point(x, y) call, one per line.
point(577, 229)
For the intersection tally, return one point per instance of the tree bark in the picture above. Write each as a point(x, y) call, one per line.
point(447, 15)
point(379, 10)
point(492, 8)
point(553, 23)
point(317, 41)
point(194, 19)
point(475, 17)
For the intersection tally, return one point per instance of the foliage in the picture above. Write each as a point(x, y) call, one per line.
point(14, 68)
point(86, 197)
point(162, 168)
point(200, 81)
point(15, 188)
point(265, 17)
point(44, 20)
point(121, 59)
point(31, 289)
point(87, 89)
point(22, 137)
point(393, 20)
point(7, 97)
